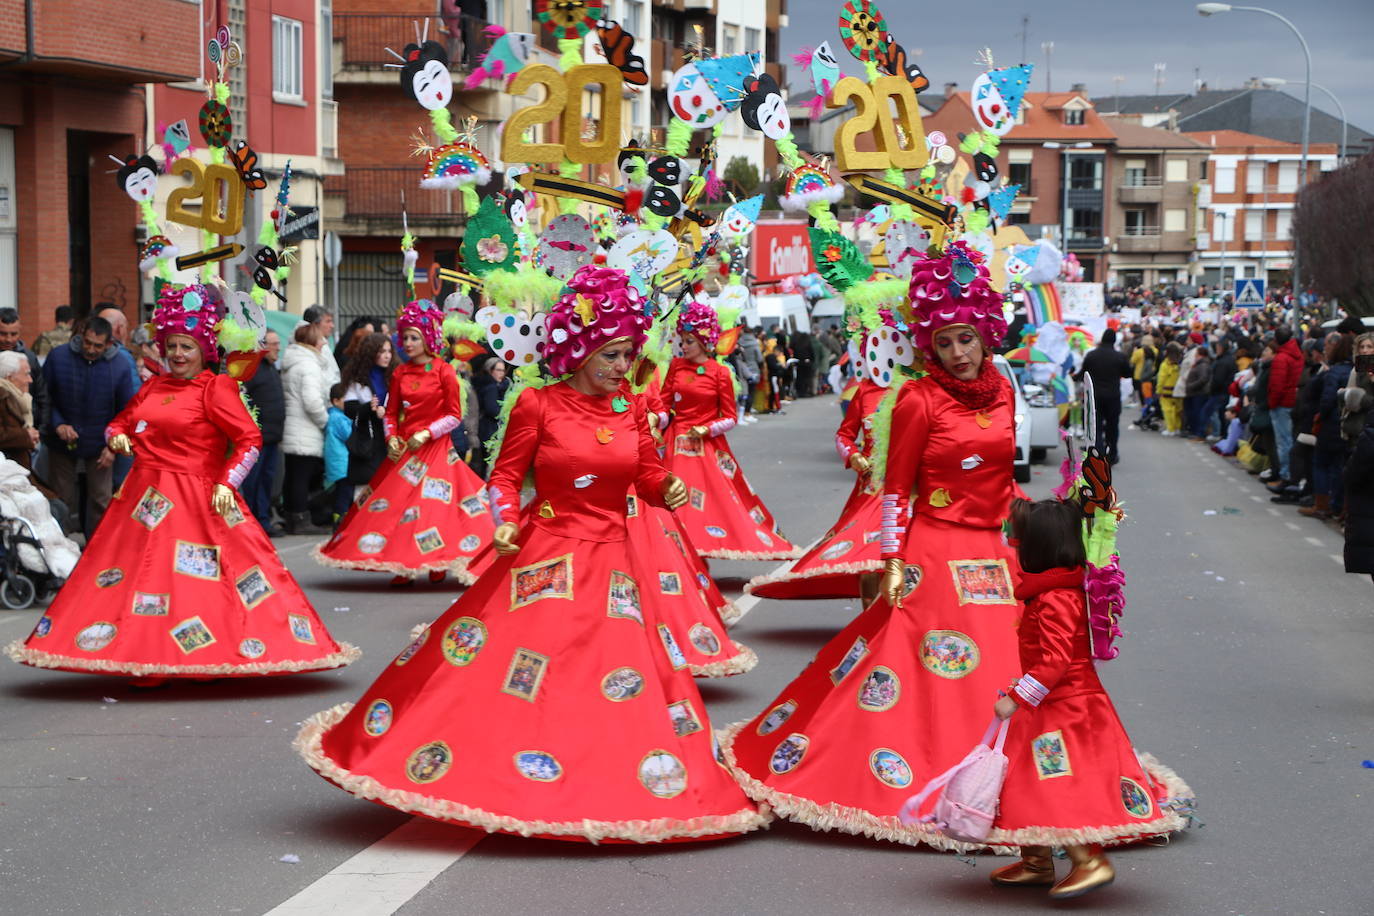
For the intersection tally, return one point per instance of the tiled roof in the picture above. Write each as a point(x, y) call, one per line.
point(1043, 120)
point(1133, 135)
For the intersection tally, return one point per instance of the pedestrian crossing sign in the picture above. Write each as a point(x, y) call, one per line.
point(1249, 293)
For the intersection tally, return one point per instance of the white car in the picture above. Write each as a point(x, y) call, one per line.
point(1021, 469)
point(1044, 418)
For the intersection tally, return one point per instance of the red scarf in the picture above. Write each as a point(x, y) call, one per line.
point(978, 393)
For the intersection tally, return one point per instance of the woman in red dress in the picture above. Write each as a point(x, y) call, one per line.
point(424, 510)
point(179, 580)
point(724, 516)
point(1073, 778)
point(847, 561)
point(552, 699)
point(900, 694)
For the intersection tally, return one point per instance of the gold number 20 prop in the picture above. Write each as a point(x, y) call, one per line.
point(873, 103)
point(220, 191)
point(563, 95)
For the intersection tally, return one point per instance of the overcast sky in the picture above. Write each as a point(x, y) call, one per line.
point(1098, 40)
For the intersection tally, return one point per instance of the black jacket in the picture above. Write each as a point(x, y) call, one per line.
point(490, 394)
point(1359, 505)
point(1106, 367)
point(264, 390)
point(1223, 371)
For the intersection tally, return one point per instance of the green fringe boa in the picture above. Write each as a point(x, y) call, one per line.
point(442, 123)
point(881, 430)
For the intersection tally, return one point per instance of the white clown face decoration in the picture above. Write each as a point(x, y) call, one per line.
point(886, 351)
point(516, 337)
point(764, 110)
point(736, 221)
point(425, 77)
point(138, 178)
point(692, 99)
point(989, 108)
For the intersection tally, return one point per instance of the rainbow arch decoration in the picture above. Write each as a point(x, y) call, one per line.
point(1042, 304)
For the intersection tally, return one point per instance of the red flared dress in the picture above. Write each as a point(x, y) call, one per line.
point(425, 511)
point(724, 515)
point(1072, 775)
point(902, 694)
point(551, 699)
point(166, 586)
point(831, 568)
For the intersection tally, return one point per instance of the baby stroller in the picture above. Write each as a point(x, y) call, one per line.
point(23, 581)
point(1152, 414)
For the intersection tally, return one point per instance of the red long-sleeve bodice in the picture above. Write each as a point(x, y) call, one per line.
point(858, 420)
point(701, 395)
point(423, 396)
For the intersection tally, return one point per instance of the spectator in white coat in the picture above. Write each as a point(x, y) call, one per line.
point(305, 388)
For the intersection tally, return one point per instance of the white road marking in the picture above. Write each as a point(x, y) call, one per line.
point(1273, 511)
point(1294, 526)
point(1340, 560)
point(1315, 542)
point(383, 877)
point(746, 603)
point(1258, 499)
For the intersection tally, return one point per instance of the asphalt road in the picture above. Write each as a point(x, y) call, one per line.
point(1245, 667)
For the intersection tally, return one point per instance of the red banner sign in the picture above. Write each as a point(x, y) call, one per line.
point(780, 248)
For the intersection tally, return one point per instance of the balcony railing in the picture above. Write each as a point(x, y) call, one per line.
point(376, 193)
point(366, 36)
point(1142, 181)
point(1142, 231)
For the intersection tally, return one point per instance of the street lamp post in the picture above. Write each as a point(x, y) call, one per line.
point(1217, 218)
point(1274, 82)
point(1211, 9)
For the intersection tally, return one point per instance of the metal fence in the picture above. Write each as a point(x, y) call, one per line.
point(372, 284)
point(366, 36)
point(376, 193)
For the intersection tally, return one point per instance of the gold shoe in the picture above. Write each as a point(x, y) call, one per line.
point(1035, 868)
point(1091, 870)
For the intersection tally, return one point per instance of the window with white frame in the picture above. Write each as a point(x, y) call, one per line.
point(286, 59)
point(1283, 227)
point(1224, 226)
point(1288, 177)
point(729, 39)
point(1254, 178)
point(326, 49)
point(1176, 170)
point(1175, 220)
point(634, 18)
point(753, 41)
point(1254, 225)
point(496, 12)
point(1226, 178)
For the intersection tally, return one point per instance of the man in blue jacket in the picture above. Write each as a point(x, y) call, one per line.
point(88, 384)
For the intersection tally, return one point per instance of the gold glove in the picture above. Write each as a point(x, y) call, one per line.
point(893, 583)
point(503, 538)
point(860, 464)
point(419, 439)
point(395, 447)
point(119, 444)
point(674, 492)
point(701, 432)
point(222, 500)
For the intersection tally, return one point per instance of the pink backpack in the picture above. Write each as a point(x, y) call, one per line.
point(967, 807)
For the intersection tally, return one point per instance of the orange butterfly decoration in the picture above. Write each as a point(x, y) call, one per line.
point(246, 162)
point(894, 60)
point(618, 46)
point(1098, 494)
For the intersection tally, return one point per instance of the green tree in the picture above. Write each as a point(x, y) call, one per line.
point(742, 173)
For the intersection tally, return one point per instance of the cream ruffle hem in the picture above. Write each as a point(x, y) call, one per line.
point(787, 575)
point(16, 650)
point(792, 554)
point(309, 744)
point(744, 661)
point(458, 568)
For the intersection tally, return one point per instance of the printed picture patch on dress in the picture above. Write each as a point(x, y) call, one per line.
point(776, 717)
point(539, 766)
point(372, 543)
point(200, 561)
point(703, 581)
point(677, 539)
point(787, 756)
point(413, 471)
point(764, 539)
point(469, 543)
point(670, 583)
point(715, 531)
point(409, 651)
point(234, 518)
point(437, 488)
point(684, 718)
point(463, 640)
point(662, 774)
point(631, 506)
point(688, 447)
point(547, 579)
point(856, 653)
point(982, 581)
point(880, 690)
point(1135, 799)
point(697, 499)
point(192, 634)
point(252, 648)
point(949, 653)
point(453, 456)
point(473, 506)
point(97, 636)
point(836, 550)
point(622, 598)
point(622, 684)
point(301, 630)
point(1051, 756)
point(718, 752)
point(429, 762)
point(890, 768)
point(253, 587)
point(872, 537)
point(911, 578)
point(429, 540)
point(107, 577)
point(410, 515)
point(361, 496)
point(147, 604)
point(42, 628)
point(671, 647)
point(758, 516)
point(706, 642)
point(525, 674)
point(151, 508)
point(380, 504)
point(727, 464)
point(378, 718)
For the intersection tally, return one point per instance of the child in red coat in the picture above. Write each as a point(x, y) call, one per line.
point(1073, 778)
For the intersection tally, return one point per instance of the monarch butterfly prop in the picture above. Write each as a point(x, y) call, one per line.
point(618, 47)
point(895, 61)
point(1098, 492)
point(246, 162)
